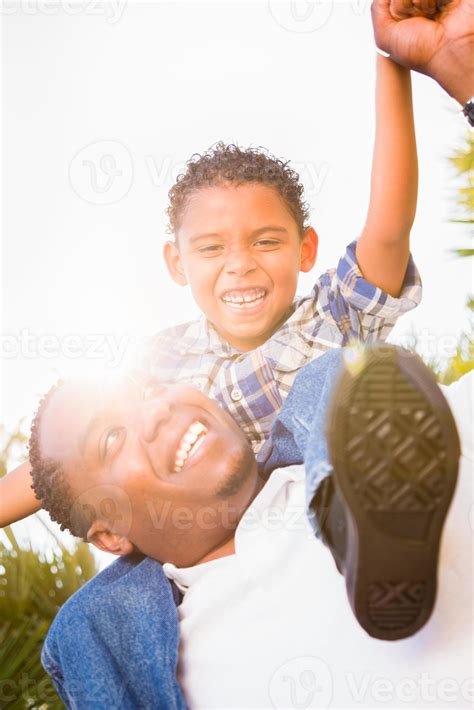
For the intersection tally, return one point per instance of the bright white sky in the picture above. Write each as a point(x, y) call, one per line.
point(147, 85)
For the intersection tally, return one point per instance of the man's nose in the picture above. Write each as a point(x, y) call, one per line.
point(153, 414)
point(240, 262)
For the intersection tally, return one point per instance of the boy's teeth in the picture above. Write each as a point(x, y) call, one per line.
point(189, 443)
point(239, 299)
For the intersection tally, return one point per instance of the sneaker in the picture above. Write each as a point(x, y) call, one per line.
point(395, 449)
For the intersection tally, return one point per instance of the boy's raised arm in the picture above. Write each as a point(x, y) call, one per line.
point(383, 248)
point(17, 499)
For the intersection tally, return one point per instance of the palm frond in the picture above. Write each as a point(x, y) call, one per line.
point(33, 586)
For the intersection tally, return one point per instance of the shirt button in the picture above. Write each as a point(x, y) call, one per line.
point(236, 395)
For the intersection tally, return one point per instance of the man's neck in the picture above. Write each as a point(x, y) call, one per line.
point(227, 547)
point(224, 550)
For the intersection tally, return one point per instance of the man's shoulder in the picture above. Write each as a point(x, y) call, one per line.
point(124, 587)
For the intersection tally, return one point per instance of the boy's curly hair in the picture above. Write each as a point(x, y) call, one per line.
point(230, 163)
point(49, 480)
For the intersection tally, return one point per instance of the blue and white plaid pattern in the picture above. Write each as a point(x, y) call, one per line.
point(252, 386)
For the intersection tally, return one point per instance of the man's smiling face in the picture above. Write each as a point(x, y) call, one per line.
point(240, 250)
point(178, 471)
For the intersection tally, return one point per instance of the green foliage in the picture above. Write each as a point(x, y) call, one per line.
point(33, 585)
point(463, 161)
point(459, 364)
point(463, 359)
point(13, 444)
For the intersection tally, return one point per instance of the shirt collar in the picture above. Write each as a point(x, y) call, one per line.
point(272, 495)
point(288, 336)
point(215, 342)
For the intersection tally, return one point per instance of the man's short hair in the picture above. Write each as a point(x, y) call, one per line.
point(49, 480)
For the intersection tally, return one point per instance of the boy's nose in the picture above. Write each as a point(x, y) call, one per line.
point(240, 263)
point(154, 413)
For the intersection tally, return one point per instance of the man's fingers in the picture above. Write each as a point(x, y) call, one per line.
point(401, 9)
point(382, 22)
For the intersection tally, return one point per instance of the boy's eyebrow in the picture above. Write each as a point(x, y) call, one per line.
point(255, 233)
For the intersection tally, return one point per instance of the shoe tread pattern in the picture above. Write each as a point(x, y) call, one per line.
point(394, 606)
point(395, 449)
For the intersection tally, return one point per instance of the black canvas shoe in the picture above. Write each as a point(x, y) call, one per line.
point(395, 449)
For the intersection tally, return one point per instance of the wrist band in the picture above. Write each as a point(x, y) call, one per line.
point(381, 52)
point(468, 110)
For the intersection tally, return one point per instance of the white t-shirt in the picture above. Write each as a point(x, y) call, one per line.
point(271, 626)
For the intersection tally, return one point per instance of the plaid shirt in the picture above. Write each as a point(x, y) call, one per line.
point(252, 386)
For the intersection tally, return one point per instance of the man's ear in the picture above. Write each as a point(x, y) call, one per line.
point(309, 249)
point(107, 541)
point(174, 264)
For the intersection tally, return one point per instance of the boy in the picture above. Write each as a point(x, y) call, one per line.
point(241, 238)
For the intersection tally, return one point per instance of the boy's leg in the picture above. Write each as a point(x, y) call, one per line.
point(299, 432)
point(394, 448)
point(114, 644)
point(395, 451)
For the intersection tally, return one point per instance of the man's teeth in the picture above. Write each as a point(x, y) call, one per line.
point(242, 299)
point(189, 444)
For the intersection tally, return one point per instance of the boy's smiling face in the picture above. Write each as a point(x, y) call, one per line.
point(240, 250)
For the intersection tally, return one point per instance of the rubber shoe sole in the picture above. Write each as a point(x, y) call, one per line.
point(395, 450)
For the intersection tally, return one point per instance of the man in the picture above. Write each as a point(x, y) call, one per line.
point(259, 589)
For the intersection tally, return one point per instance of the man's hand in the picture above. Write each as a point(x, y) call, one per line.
point(432, 37)
point(401, 9)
